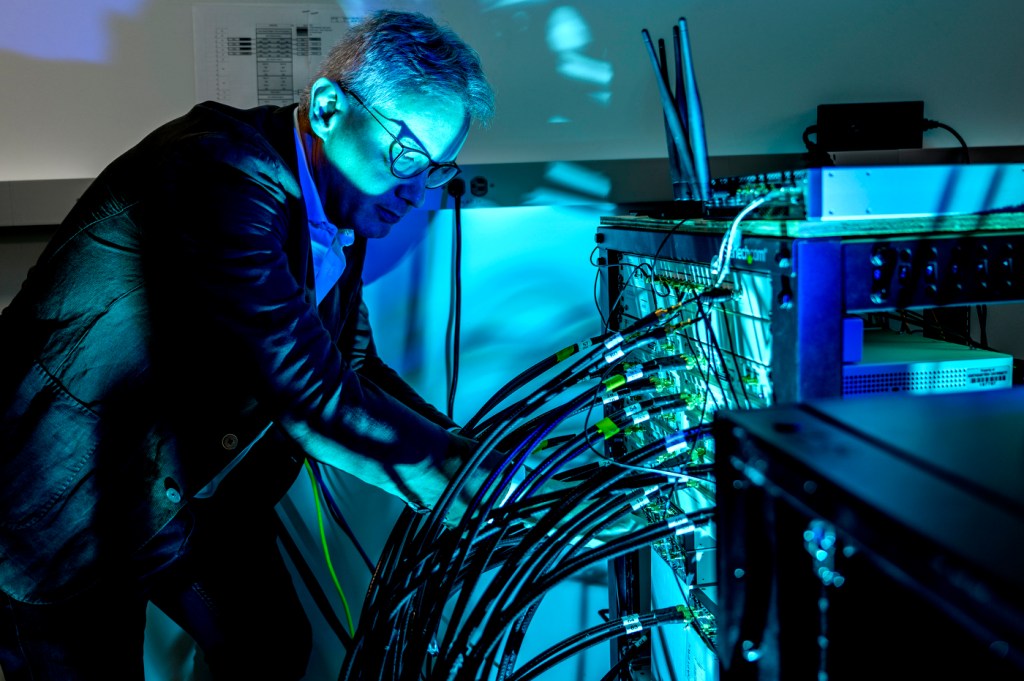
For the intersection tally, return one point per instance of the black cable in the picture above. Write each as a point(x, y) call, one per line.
point(695, 622)
point(816, 156)
point(983, 325)
point(424, 562)
point(713, 346)
point(619, 419)
point(625, 658)
point(811, 147)
point(463, 600)
point(370, 616)
point(456, 188)
point(931, 125)
point(441, 583)
point(525, 377)
point(514, 642)
point(512, 584)
point(511, 416)
point(457, 636)
point(597, 283)
point(594, 635)
point(653, 267)
point(735, 358)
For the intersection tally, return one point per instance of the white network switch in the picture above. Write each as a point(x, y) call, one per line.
point(909, 363)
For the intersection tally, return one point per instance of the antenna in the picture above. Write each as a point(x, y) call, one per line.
point(686, 168)
point(680, 90)
point(694, 115)
point(675, 169)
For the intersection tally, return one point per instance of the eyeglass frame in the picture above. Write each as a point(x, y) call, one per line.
point(431, 166)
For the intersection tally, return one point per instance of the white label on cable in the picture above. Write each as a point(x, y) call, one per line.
point(614, 355)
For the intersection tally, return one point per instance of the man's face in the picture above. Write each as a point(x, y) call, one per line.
point(353, 170)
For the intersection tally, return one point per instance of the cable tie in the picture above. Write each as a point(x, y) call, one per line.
point(613, 382)
point(565, 353)
point(632, 624)
point(606, 427)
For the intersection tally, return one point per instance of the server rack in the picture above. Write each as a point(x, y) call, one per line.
point(874, 538)
point(774, 331)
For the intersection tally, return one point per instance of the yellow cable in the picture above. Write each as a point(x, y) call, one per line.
point(327, 554)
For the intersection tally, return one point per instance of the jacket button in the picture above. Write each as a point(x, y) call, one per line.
point(172, 490)
point(229, 441)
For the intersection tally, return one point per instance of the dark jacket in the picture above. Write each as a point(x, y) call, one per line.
point(168, 323)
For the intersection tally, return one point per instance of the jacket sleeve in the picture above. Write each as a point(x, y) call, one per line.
point(357, 343)
point(231, 309)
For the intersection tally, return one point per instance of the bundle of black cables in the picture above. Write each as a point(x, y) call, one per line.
point(428, 613)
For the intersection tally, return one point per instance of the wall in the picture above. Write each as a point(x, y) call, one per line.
point(83, 79)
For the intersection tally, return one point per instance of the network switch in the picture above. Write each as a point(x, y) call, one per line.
point(894, 363)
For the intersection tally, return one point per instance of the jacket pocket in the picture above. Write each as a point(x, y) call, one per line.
point(47, 445)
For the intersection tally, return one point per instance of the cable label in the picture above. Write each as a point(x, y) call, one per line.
point(613, 341)
point(614, 355)
point(632, 624)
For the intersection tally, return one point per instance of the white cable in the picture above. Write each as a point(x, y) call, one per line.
point(720, 265)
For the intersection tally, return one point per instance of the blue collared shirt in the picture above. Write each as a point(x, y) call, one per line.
point(326, 239)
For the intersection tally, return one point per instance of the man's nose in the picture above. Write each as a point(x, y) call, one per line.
point(413, 190)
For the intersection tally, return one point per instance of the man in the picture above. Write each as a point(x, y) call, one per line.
point(190, 334)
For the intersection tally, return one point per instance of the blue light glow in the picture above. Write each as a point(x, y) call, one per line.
point(70, 29)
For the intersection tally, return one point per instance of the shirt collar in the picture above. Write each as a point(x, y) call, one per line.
point(325, 240)
point(310, 196)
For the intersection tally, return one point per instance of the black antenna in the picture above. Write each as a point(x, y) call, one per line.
point(674, 166)
point(695, 116)
point(680, 89)
point(686, 167)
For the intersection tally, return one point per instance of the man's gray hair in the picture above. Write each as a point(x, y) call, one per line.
point(391, 54)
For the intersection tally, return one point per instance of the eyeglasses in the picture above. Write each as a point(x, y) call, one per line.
point(409, 161)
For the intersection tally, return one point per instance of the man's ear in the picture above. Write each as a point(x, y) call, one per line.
point(326, 102)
